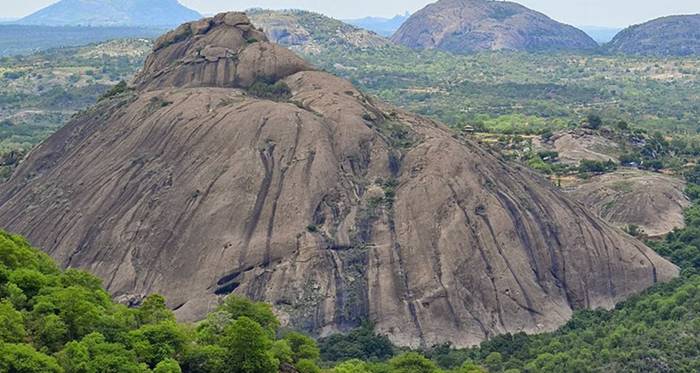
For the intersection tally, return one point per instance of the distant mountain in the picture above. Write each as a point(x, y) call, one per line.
point(25, 39)
point(601, 34)
point(667, 36)
point(466, 26)
point(152, 13)
point(382, 26)
point(310, 32)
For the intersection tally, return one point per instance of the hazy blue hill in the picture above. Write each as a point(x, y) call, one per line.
point(382, 26)
point(601, 34)
point(23, 39)
point(152, 13)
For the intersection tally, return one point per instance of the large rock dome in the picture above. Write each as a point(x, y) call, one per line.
point(231, 166)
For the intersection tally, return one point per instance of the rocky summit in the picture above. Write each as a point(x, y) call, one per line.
point(232, 166)
point(666, 36)
point(467, 26)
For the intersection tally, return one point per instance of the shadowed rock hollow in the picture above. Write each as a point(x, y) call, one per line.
point(332, 206)
point(467, 26)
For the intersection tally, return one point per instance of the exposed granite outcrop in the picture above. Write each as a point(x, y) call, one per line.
point(330, 205)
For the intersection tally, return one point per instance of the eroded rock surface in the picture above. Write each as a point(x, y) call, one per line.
point(652, 201)
point(332, 206)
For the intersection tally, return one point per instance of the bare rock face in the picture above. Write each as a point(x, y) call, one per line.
point(331, 206)
point(654, 202)
point(467, 26)
point(223, 51)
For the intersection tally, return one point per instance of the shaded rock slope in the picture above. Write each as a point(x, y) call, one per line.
point(651, 201)
point(666, 36)
point(233, 166)
point(466, 26)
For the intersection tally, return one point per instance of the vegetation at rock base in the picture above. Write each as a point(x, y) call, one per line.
point(63, 321)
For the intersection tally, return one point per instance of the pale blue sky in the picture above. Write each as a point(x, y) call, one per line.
point(576, 12)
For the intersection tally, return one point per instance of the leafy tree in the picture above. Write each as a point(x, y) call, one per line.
point(30, 281)
point(282, 352)
point(11, 324)
point(52, 332)
point(361, 343)
point(81, 310)
point(470, 367)
point(693, 175)
point(22, 358)
point(261, 313)
point(205, 359)
point(302, 346)
point(94, 354)
point(594, 121)
point(167, 366)
point(589, 166)
point(351, 366)
point(307, 366)
point(494, 361)
point(412, 362)
point(247, 345)
point(154, 311)
point(73, 277)
point(154, 343)
point(17, 254)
